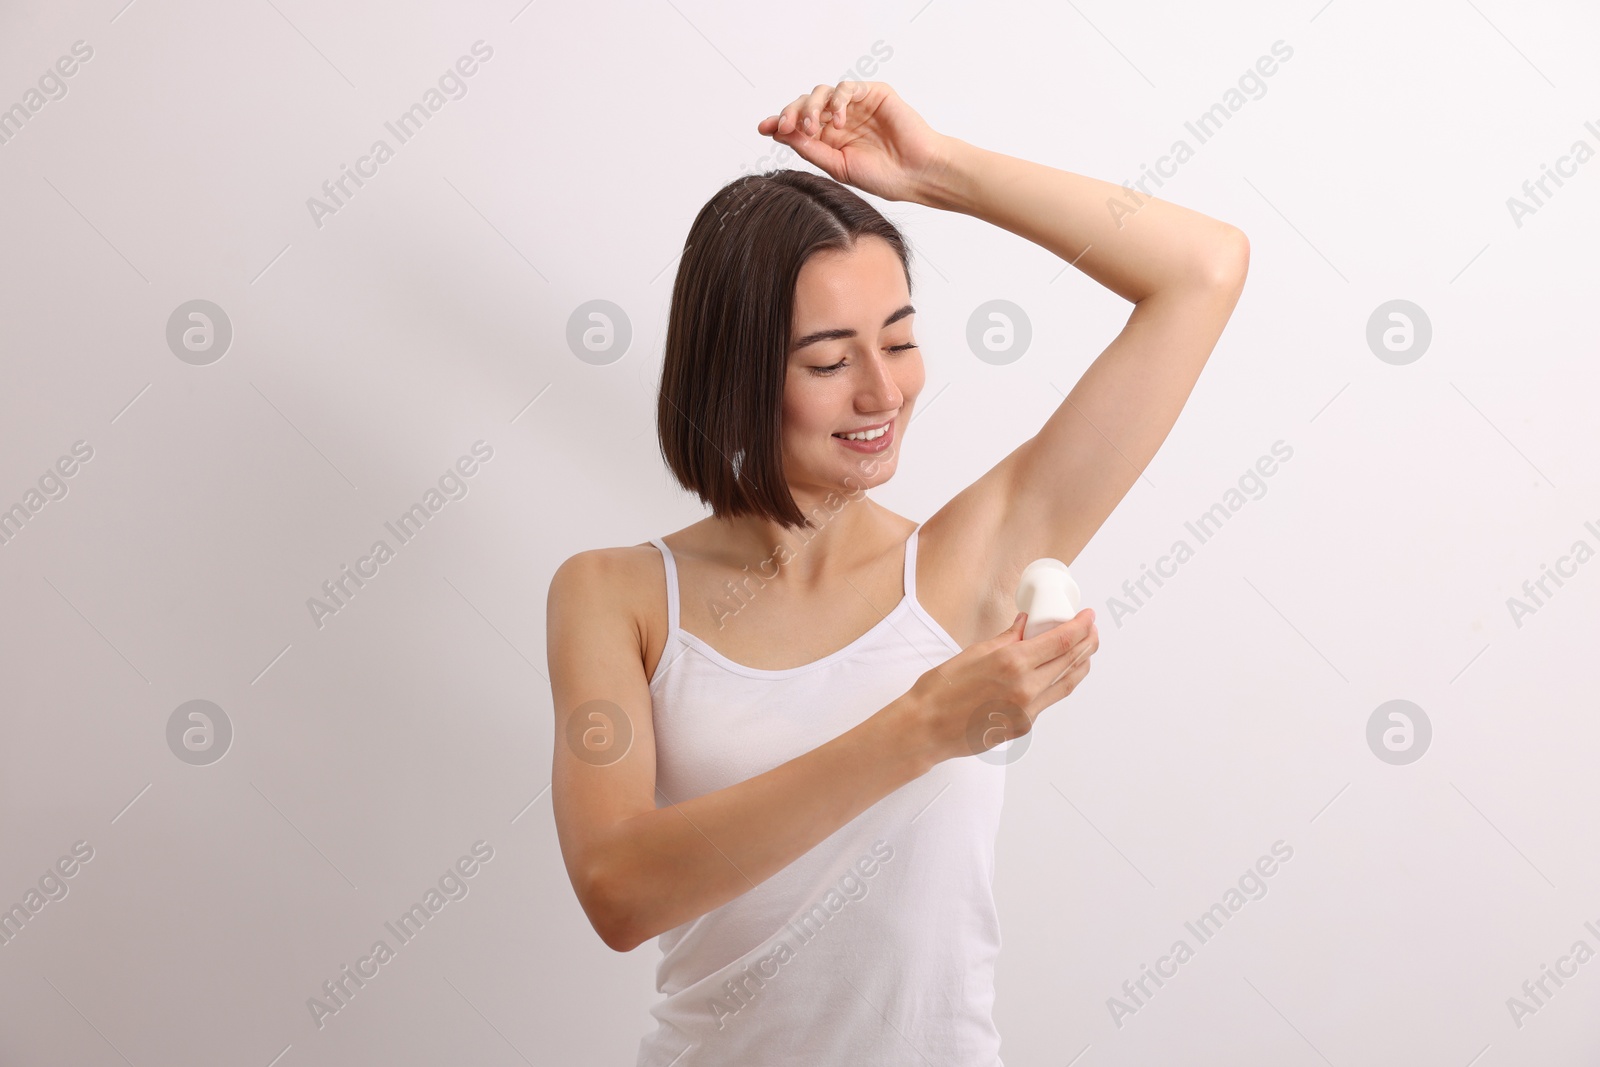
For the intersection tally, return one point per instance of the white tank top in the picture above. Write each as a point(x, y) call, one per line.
point(878, 946)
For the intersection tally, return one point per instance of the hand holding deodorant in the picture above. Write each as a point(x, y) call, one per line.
point(1048, 594)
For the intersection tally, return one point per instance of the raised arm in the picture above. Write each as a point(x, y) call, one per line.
point(1182, 271)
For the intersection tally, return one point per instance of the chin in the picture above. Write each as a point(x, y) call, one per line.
point(869, 472)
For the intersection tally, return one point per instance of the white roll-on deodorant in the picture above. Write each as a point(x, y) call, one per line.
point(1048, 594)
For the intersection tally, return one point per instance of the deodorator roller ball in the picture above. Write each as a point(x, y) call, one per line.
point(1048, 594)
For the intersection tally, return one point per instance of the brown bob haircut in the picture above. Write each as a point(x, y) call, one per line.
point(719, 410)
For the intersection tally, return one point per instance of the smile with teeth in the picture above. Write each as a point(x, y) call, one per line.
point(866, 435)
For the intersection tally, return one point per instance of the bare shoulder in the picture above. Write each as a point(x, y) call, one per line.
point(608, 565)
point(623, 584)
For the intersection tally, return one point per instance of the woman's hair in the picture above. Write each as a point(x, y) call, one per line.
point(719, 411)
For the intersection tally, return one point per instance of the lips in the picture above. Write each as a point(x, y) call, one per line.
point(865, 429)
point(882, 443)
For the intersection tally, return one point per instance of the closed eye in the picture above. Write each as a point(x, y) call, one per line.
point(825, 371)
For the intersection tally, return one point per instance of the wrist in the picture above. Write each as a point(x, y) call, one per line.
point(947, 180)
point(904, 732)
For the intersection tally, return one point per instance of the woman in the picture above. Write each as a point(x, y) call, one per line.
point(762, 719)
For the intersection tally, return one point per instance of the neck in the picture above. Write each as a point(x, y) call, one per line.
point(839, 539)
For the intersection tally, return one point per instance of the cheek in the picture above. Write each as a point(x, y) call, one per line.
point(794, 412)
point(808, 407)
point(912, 378)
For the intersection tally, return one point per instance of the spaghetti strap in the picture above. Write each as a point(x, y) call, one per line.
point(671, 565)
point(910, 579)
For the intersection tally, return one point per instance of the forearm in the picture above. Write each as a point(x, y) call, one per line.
point(1133, 244)
point(667, 866)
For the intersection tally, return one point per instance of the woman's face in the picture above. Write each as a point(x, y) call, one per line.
point(853, 365)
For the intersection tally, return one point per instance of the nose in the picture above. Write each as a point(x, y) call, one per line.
point(879, 390)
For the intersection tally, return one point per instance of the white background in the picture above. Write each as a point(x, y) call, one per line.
point(430, 312)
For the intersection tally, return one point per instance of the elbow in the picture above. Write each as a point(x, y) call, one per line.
point(618, 940)
point(1229, 262)
point(610, 912)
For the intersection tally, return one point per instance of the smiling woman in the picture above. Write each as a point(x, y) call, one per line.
point(834, 715)
point(766, 253)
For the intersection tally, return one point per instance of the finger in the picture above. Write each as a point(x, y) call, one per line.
point(839, 104)
point(834, 100)
point(1058, 689)
point(1010, 635)
point(811, 110)
point(789, 116)
point(1056, 669)
point(816, 151)
point(1059, 640)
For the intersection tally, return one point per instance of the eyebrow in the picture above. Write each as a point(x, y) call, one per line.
point(834, 335)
